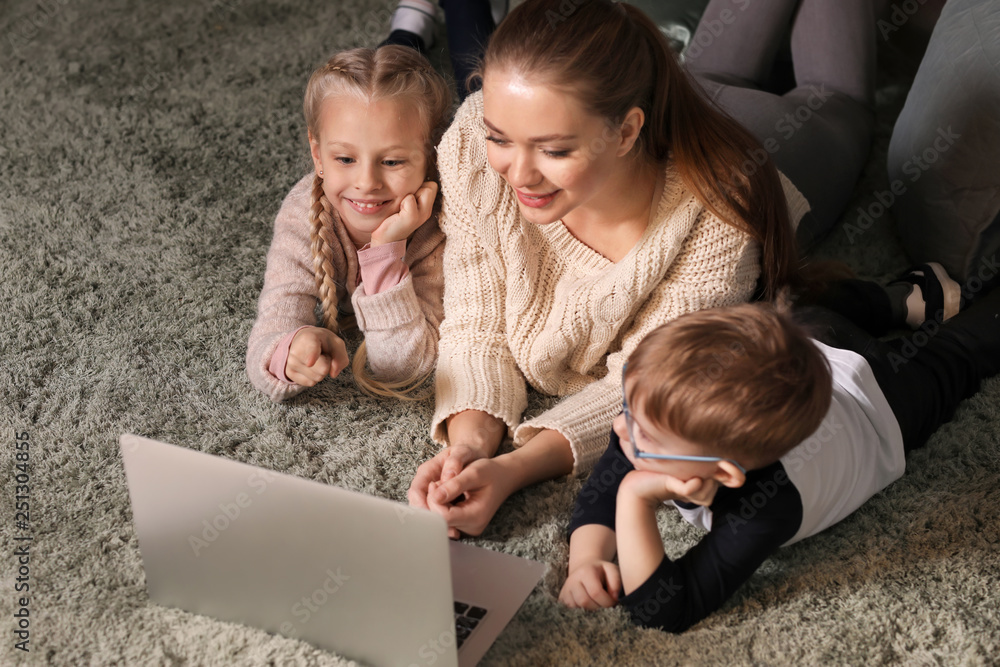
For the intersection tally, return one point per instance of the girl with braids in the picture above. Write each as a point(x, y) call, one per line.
point(359, 235)
point(592, 192)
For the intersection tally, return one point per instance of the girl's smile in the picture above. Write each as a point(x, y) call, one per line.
point(370, 155)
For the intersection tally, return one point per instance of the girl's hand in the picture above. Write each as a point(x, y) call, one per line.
point(414, 211)
point(656, 487)
point(314, 354)
point(592, 585)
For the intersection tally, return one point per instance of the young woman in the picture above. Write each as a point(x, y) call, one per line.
point(591, 193)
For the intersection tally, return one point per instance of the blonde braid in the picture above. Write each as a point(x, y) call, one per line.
point(323, 241)
point(390, 72)
point(405, 389)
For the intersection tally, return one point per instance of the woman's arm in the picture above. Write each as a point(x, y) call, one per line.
point(476, 370)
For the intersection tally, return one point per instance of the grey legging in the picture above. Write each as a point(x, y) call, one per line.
point(819, 133)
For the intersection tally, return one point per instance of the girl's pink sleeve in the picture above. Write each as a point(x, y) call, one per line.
point(382, 267)
point(400, 312)
point(280, 357)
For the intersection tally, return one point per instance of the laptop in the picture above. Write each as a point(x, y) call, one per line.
point(371, 579)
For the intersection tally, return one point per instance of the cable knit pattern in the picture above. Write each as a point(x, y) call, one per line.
point(400, 324)
point(531, 303)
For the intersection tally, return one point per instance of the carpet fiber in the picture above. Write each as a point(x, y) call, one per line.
point(144, 150)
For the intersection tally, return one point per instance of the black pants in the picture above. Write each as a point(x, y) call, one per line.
point(924, 374)
point(819, 133)
point(469, 24)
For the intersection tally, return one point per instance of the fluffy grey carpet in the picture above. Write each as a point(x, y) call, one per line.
point(144, 150)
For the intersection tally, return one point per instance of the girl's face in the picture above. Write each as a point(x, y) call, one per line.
point(371, 155)
point(556, 155)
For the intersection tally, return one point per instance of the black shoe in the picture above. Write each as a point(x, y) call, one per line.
point(941, 296)
point(406, 38)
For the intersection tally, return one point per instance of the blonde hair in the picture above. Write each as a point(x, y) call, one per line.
point(745, 382)
point(389, 72)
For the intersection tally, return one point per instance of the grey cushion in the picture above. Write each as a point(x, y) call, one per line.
point(944, 156)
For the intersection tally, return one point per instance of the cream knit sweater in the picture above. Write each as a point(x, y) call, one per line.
point(531, 303)
point(400, 324)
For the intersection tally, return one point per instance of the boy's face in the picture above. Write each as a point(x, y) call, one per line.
point(652, 439)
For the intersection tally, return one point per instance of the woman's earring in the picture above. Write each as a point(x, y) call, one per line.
point(320, 172)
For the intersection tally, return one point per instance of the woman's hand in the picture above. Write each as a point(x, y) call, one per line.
point(469, 486)
point(314, 354)
point(469, 500)
point(592, 585)
point(445, 465)
point(414, 211)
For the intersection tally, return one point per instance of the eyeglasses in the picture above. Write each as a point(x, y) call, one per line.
point(639, 454)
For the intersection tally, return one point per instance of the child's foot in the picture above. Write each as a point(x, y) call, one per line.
point(413, 25)
point(933, 294)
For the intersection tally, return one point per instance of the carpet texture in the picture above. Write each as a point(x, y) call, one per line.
point(144, 150)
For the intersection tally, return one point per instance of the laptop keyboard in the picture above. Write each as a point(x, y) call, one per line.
point(467, 618)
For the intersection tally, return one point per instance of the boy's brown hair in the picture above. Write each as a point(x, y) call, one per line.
point(743, 381)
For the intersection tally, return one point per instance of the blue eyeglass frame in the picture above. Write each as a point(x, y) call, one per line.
point(639, 454)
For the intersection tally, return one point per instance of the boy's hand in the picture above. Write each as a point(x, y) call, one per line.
point(655, 488)
point(414, 211)
point(592, 585)
point(314, 354)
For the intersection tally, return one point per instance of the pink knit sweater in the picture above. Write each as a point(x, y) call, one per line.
point(400, 323)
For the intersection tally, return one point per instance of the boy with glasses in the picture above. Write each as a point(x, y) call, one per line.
point(763, 435)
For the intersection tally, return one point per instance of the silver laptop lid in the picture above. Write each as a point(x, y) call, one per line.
point(351, 573)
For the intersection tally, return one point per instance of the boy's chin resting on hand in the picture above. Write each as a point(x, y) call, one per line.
point(656, 488)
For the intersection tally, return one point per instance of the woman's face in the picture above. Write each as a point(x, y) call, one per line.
point(555, 154)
